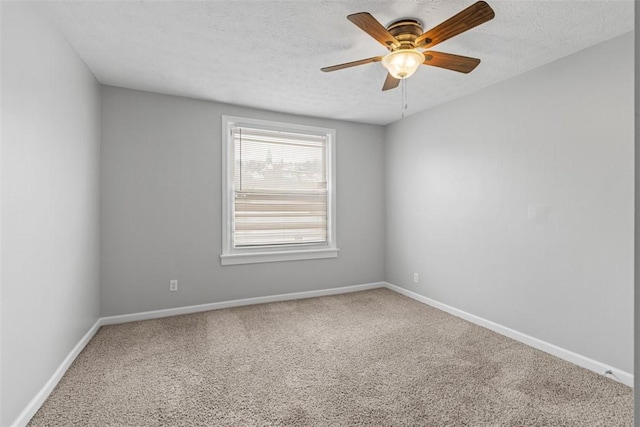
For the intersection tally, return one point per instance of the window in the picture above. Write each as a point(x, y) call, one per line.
point(278, 192)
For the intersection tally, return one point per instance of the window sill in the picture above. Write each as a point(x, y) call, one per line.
point(258, 257)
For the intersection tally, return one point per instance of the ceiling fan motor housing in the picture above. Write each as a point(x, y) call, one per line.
point(406, 31)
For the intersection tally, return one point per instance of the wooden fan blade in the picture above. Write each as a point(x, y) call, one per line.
point(476, 14)
point(461, 64)
point(390, 82)
point(352, 64)
point(371, 26)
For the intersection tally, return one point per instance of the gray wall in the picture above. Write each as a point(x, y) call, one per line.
point(161, 207)
point(460, 181)
point(636, 378)
point(50, 205)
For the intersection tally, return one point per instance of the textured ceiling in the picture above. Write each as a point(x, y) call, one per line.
point(268, 54)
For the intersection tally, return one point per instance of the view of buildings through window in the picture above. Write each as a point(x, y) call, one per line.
point(280, 188)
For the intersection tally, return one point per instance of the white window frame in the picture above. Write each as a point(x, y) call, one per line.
point(232, 255)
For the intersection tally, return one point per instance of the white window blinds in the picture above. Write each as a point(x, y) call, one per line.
point(280, 187)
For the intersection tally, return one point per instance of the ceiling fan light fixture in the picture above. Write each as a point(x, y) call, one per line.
point(402, 63)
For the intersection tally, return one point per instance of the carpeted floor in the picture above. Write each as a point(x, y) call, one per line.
point(367, 358)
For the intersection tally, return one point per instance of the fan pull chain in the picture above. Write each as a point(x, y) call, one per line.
point(405, 103)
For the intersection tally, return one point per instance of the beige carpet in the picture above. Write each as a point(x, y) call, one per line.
point(368, 358)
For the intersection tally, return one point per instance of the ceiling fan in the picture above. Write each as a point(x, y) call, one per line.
point(407, 43)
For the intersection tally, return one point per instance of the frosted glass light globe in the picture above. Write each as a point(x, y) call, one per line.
point(403, 63)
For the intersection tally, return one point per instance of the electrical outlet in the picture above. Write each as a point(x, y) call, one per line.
point(173, 285)
point(415, 277)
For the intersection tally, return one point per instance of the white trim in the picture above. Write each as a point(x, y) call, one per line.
point(295, 255)
point(575, 358)
point(30, 410)
point(231, 255)
point(585, 362)
point(134, 317)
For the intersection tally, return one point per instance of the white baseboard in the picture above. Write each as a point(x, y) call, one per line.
point(575, 358)
point(38, 400)
point(45, 391)
point(585, 362)
point(156, 314)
